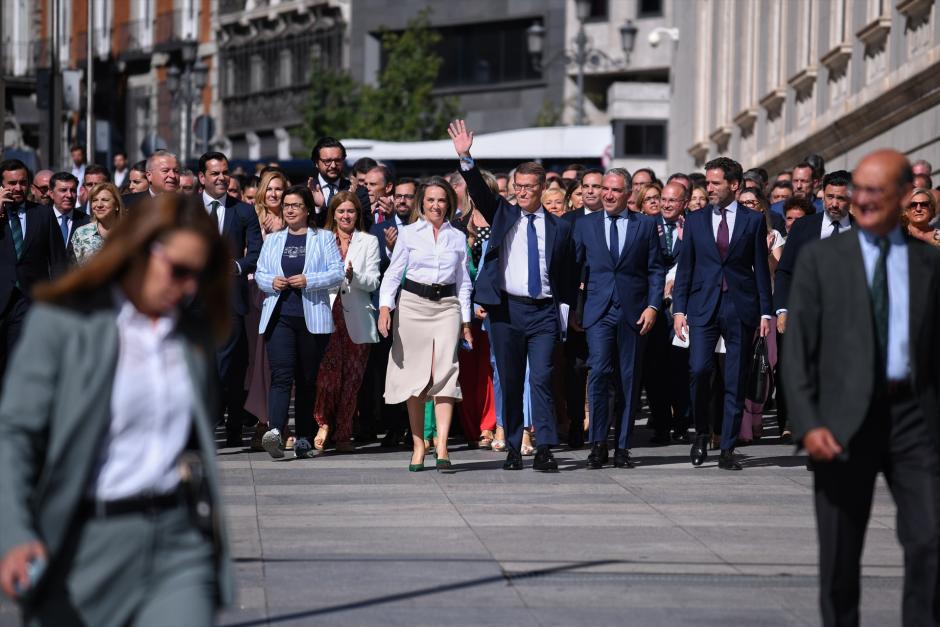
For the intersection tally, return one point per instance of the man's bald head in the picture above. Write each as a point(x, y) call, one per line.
point(880, 181)
point(675, 200)
point(40, 191)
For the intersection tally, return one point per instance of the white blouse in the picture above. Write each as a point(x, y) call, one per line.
point(424, 260)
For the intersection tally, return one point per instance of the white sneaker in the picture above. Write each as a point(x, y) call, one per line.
point(271, 442)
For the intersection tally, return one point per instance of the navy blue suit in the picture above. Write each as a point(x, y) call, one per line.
point(712, 313)
point(240, 229)
point(617, 293)
point(521, 331)
point(42, 256)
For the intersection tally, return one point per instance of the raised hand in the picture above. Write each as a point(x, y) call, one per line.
point(463, 138)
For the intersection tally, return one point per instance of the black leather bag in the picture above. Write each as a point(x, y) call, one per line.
point(759, 374)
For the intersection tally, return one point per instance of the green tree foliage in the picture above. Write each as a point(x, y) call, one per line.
point(400, 107)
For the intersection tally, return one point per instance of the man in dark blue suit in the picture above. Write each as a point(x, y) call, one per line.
point(329, 156)
point(526, 275)
point(805, 180)
point(238, 225)
point(722, 290)
point(625, 286)
point(30, 252)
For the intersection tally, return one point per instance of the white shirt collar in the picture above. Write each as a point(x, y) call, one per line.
point(421, 224)
point(207, 200)
point(731, 208)
point(59, 214)
point(538, 213)
point(128, 316)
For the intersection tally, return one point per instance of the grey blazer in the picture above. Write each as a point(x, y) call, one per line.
point(829, 370)
point(54, 413)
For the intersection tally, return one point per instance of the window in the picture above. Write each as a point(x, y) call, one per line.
point(285, 65)
point(650, 8)
point(640, 139)
point(598, 10)
point(256, 78)
point(484, 54)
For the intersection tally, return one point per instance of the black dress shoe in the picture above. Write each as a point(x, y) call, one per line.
point(513, 460)
point(726, 461)
point(544, 461)
point(598, 456)
point(699, 450)
point(622, 459)
point(391, 440)
point(233, 440)
point(661, 439)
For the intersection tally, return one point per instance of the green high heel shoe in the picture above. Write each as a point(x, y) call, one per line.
point(443, 464)
point(416, 467)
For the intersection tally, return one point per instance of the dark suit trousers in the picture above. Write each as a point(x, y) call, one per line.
point(232, 362)
point(728, 325)
point(373, 411)
point(520, 332)
point(11, 325)
point(895, 440)
point(656, 377)
point(615, 347)
point(780, 397)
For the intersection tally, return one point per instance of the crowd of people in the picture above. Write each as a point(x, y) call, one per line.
point(531, 303)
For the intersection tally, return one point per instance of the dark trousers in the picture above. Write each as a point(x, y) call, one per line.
point(895, 440)
point(656, 377)
point(232, 362)
point(574, 376)
point(703, 340)
point(373, 412)
point(294, 354)
point(780, 397)
point(615, 347)
point(520, 332)
point(11, 325)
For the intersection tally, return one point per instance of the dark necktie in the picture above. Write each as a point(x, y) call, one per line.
point(879, 300)
point(215, 204)
point(535, 272)
point(614, 242)
point(723, 240)
point(670, 230)
point(836, 227)
point(16, 229)
point(330, 191)
point(64, 228)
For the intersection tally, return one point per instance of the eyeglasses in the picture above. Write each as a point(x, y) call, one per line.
point(749, 203)
point(294, 205)
point(179, 272)
point(331, 161)
point(403, 197)
point(919, 204)
point(42, 189)
point(525, 188)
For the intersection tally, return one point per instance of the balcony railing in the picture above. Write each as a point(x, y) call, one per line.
point(134, 36)
point(21, 58)
point(271, 109)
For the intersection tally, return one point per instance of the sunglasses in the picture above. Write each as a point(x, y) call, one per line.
point(179, 272)
point(922, 204)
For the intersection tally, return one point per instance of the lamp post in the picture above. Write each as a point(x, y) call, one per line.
point(583, 54)
point(186, 88)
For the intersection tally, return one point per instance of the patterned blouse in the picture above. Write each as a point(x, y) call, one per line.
point(85, 242)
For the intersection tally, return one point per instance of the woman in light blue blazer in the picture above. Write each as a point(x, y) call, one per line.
point(296, 269)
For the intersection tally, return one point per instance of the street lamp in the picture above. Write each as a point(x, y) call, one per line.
point(185, 87)
point(582, 54)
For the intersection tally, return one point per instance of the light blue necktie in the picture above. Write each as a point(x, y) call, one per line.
point(64, 227)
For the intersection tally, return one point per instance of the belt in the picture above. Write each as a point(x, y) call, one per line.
point(134, 505)
point(433, 292)
point(526, 300)
point(899, 389)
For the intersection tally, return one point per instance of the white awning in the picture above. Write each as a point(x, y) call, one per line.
point(552, 142)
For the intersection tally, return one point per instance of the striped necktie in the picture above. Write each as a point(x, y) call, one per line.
point(16, 229)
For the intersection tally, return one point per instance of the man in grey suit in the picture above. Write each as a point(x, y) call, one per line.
point(863, 383)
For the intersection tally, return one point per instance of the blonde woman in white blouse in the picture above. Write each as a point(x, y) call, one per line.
point(429, 270)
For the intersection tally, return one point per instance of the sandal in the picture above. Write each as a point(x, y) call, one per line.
point(323, 433)
point(527, 449)
point(486, 440)
point(499, 446)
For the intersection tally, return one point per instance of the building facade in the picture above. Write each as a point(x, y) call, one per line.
point(486, 64)
point(771, 81)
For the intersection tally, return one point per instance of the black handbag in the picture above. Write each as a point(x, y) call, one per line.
point(759, 374)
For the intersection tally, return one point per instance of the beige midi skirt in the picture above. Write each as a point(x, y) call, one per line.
point(425, 337)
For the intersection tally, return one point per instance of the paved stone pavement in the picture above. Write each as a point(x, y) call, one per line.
point(358, 540)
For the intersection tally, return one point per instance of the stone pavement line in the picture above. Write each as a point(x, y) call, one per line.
point(264, 565)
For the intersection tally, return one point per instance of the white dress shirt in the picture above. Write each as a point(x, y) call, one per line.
point(58, 222)
point(423, 260)
point(325, 188)
point(515, 262)
point(828, 230)
point(207, 200)
point(730, 212)
point(119, 176)
point(151, 409)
